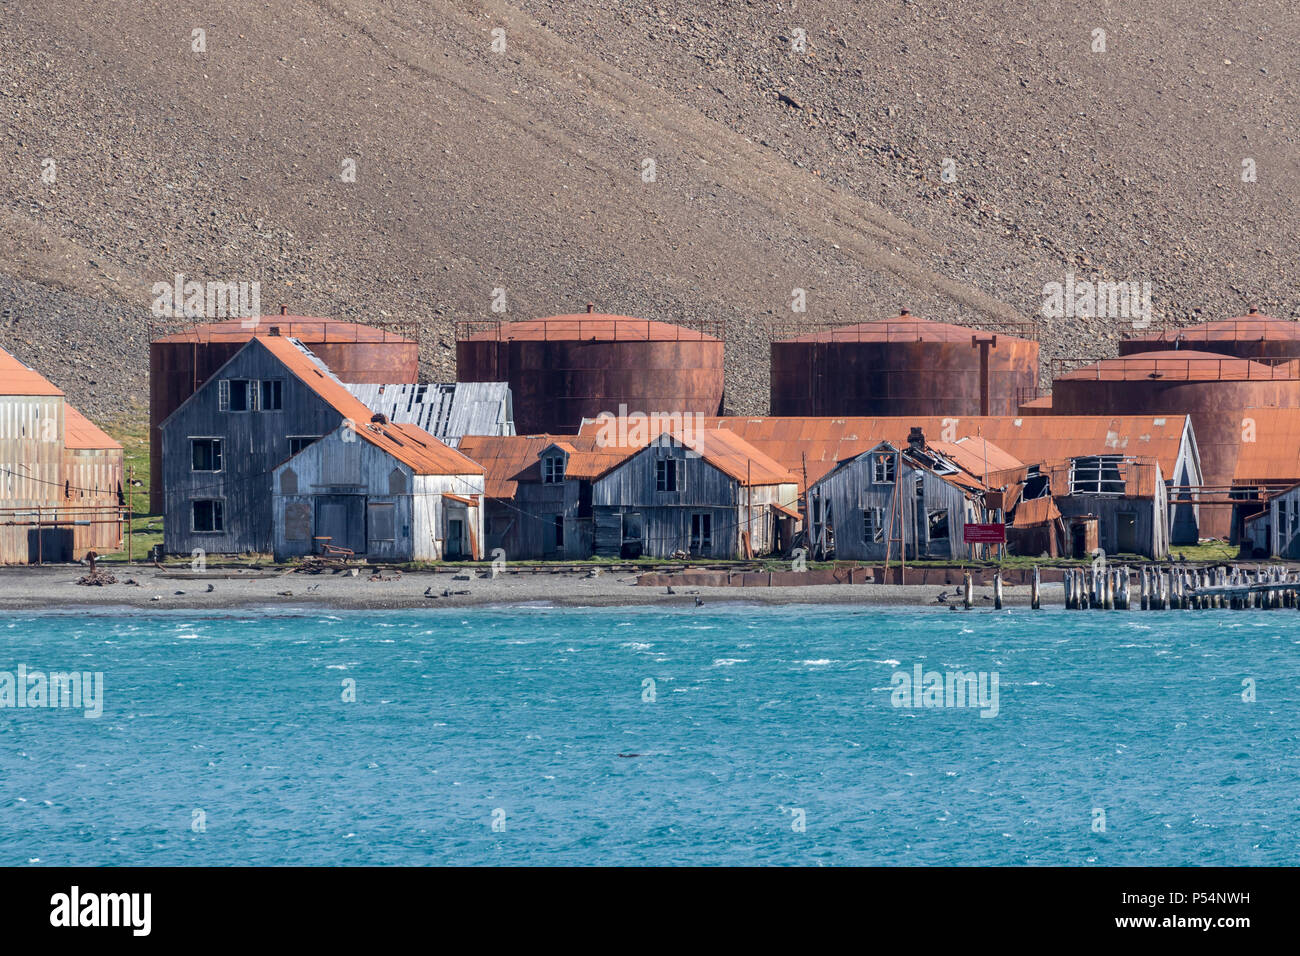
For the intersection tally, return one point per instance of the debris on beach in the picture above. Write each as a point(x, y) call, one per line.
point(96, 578)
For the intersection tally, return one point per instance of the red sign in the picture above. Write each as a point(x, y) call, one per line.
point(984, 534)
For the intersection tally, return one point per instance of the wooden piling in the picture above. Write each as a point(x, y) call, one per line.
point(967, 592)
point(1034, 603)
point(997, 590)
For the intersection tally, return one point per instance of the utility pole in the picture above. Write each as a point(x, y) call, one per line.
point(130, 512)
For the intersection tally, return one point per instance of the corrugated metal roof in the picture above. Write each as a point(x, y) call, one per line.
point(446, 411)
point(1140, 475)
point(18, 379)
point(504, 457)
point(1270, 447)
point(977, 455)
point(80, 432)
point(734, 456)
point(1179, 365)
point(409, 444)
point(589, 326)
point(903, 328)
point(1031, 439)
point(305, 328)
point(1036, 511)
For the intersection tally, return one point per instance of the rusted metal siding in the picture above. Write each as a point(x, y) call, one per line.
point(885, 378)
point(561, 371)
point(253, 444)
point(843, 497)
point(93, 477)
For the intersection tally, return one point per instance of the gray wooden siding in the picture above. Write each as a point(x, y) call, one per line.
point(253, 444)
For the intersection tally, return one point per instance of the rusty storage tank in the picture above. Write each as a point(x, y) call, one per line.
point(182, 361)
point(1250, 336)
point(565, 368)
point(1214, 389)
point(902, 366)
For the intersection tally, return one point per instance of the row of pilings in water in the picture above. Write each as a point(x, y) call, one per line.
point(1176, 588)
point(1160, 589)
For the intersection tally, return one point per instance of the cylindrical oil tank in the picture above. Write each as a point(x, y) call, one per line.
point(902, 366)
point(565, 368)
point(1251, 336)
point(179, 363)
point(1214, 389)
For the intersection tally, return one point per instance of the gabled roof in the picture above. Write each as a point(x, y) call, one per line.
point(18, 379)
point(504, 457)
point(79, 432)
point(732, 455)
point(821, 442)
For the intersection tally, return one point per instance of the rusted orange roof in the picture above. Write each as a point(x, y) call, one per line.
point(80, 432)
point(782, 509)
point(734, 456)
point(588, 326)
point(409, 444)
point(1180, 365)
point(504, 458)
point(822, 442)
point(1036, 511)
point(1270, 448)
point(1255, 327)
point(308, 329)
point(904, 328)
point(977, 455)
point(17, 379)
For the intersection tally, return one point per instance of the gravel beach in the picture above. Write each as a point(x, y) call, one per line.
point(56, 589)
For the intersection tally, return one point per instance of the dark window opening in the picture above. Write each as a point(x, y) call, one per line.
point(208, 516)
point(205, 454)
point(272, 396)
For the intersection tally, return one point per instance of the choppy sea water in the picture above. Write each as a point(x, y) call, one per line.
point(714, 735)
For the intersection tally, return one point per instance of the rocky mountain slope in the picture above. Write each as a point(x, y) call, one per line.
point(776, 166)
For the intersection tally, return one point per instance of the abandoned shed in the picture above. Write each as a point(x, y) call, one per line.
point(61, 476)
point(383, 491)
point(912, 501)
point(702, 494)
point(268, 402)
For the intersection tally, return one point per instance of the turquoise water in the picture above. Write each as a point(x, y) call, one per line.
point(761, 718)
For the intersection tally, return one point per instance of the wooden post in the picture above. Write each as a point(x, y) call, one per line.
point(967, 591)
point(997, 590)
point(1034, 602)
point(1067, 583)
point(130, 512)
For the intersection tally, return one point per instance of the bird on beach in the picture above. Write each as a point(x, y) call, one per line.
point(942, 598)
point(699, 602)
point(211, 588)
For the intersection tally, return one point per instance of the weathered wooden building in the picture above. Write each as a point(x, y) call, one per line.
point(271, 400)
point(699, 494)
point(382, 491)
point(1126, 494)
point(911, 500)
point(60, 475)
point(539, 492)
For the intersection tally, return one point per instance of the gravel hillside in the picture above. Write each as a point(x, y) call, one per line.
point(777, 166)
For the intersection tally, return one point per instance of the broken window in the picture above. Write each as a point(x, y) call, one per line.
point(668, 474)
point(882, 469)
point(938, 522)
point(207, 516)
point(205, 454)
point(1097, 475)
point(552, 469)
point(873, 525)
point(701, 533)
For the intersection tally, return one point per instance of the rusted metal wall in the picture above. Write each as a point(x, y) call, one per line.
point(830, 379)
point(1217, 410)
point(557, 383)
point(178, 365)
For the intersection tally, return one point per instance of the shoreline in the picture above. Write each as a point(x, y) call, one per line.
point(55, 589)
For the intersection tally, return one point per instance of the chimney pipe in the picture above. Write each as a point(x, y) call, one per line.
point(590, 306)
point(916, 437)
point(284, 310)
